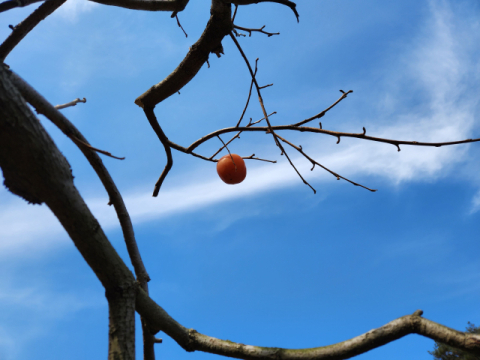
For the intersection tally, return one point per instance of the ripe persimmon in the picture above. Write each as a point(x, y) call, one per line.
point(231, 172)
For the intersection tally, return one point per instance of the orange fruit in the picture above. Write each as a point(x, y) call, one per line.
point(231, 172)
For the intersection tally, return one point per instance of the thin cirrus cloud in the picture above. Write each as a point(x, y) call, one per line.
point(438, 63)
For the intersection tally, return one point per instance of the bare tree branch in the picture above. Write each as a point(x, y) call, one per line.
point(27, 25)
point(34, 169)
point(191, 340)
point(260, 100)
point(314, 162)
point(210, 41)
point(322, 114)
point(44, 107)
point(290, 4)
point(71, 103)
point(166, 144)
point(260, 30)
point(149, 5)
point(336, 134)
point(11, 4)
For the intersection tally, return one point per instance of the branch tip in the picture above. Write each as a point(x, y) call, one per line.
point(418, 313)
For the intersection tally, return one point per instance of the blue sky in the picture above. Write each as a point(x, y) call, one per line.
point(265, 262)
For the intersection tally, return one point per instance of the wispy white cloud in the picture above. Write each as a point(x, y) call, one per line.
point(72, 9)
point(475, 203)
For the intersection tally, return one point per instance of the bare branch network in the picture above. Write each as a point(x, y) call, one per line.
point(35, 169)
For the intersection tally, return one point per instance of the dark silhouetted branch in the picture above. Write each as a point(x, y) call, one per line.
point(148, 5)
point(217, 28)
point(290, 4)
point(27, 25)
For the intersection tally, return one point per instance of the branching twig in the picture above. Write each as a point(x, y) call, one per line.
point(260, 30)
point(260, 100)
point(71, 103)
point(321, 114)
point(22, 29)
point(252, 157)
point(336, 134)
point(237, 135)
point(314, 162)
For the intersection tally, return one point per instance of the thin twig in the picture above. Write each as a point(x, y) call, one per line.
point(11, 4)
point(326, 132)
point(260, 30)
point(260, 100)
point(321, 114)
point(22, 29)
point(180, 25)
point(229, 153)
point(265, 86)
point(288, 3)
point(71, 103)
point(314, 162)
point(238, 134)
point(164, 140)
point(252, 157)
point(82, 143)
point(234, 13)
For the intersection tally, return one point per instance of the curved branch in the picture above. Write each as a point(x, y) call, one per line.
point(290, 4)
point(118, 302)
point(191, 340)
point(313, 162)
point(22, 29)
point(336, 134)
point(166, 144)
point(217, 28)
point(11, 4)
point(250, 30)
point(322, 114)
point(148, 5)
point(42, 106)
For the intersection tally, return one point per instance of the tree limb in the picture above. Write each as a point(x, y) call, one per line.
point(290, 4)
point(210, 41)
point(22, 29)
point(11, 4)
point(191, 340)
point(34, 169)
point(42, 106)
point(149, 5)
point(336, 134)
